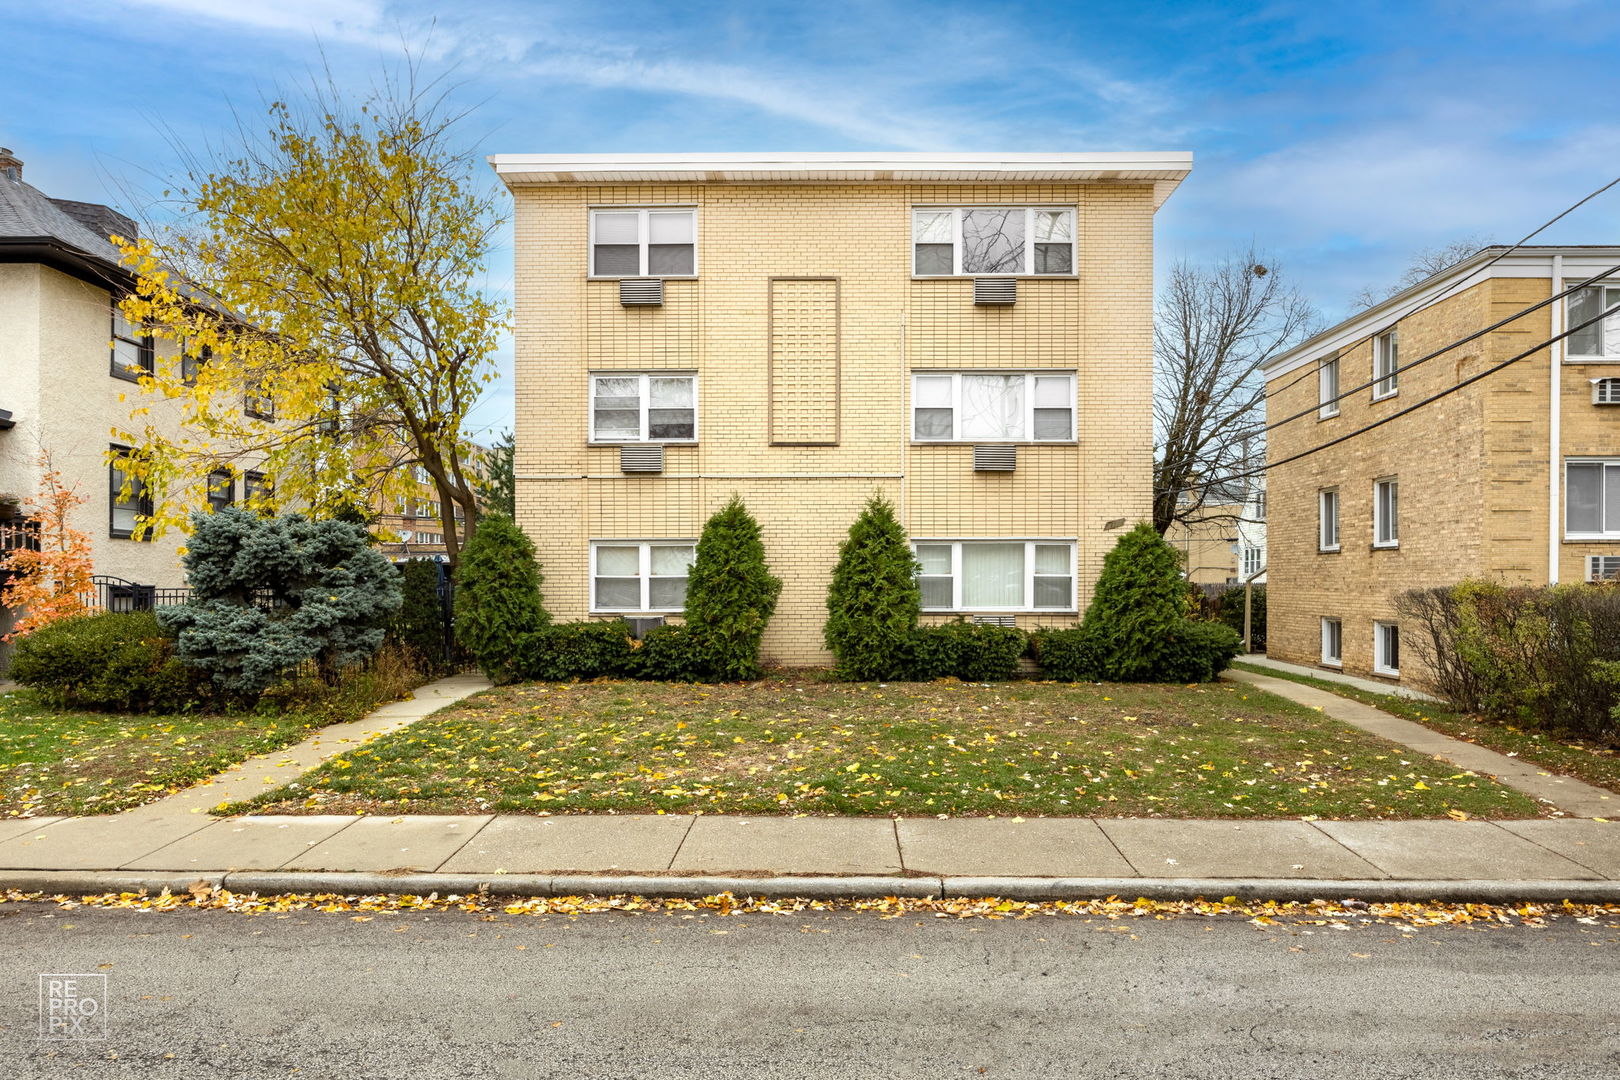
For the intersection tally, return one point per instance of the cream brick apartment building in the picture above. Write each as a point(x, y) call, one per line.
point(1515, 478)
point(970, 335)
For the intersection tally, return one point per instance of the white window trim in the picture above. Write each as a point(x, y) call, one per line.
point(643, 573)
point(1572, 357)
point(1588, 537)
point(642, 234)
point(1321, 520)
point(957, 607)
point(1029, 375)
point(1327, 660)
point(1378, 666)
point(1390, 379)
point(1326, 409)
point(644, 398)
point(1029, 239)
point(1377, 515)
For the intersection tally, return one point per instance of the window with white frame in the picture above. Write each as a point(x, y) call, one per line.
point(996, 575)
point(1602, 338)
point(1327, 387)
point(989, 240)
point(640, 575)
point(1332, 641)
point(645, 242)
point(644, 407)
point(1327, 520)
point(966, 406)
point(1386, 648)
point(1387, 513)
point(1592, 498)
point(1253, 561)
point(1386, 364)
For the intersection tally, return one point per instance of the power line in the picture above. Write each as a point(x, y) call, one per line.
point(1376, 379)
point(1431, 399)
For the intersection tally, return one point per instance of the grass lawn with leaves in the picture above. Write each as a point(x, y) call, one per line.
point(1557, 752)
point(66, 761)
point(795, 744)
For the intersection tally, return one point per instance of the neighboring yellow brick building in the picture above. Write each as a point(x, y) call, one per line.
point(1515, 478)
point(815, 339)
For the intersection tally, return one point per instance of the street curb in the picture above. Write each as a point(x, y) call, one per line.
point(814, 887)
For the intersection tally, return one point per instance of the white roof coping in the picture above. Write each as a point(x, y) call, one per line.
point(1163, 169)
point(1530, 261)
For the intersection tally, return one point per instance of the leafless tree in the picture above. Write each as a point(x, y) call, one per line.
point(1426, 262)
point(1215, 326)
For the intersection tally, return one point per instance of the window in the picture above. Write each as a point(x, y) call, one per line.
point(132, 352)
point(996, 575)
point(259, 405)
point(1253, 561)
point(1602, 338)
point(1327, 520)
point(628, 575)
point(1386, 648)
point(643, 408)
point(1327, 387)
point(126, 510)
point(1386, 513)
point(257, 491)
point(221, 490)
point(1386, 364)
point(192, 361)
point(644, 243)
point(1260, 506)
point(979, 407)
point(1592, 498)
point(988, 240)
point(1332, 642)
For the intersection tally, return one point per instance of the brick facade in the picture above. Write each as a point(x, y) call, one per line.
point(803, 325)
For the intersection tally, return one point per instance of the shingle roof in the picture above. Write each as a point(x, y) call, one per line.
point(27, 214)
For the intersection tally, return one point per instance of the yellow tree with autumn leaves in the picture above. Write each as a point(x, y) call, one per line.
point(332, 283)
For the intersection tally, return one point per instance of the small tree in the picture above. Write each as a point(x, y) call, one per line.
point(1139, 603)
point(873, 601)
point(498, 597)
point(51, 583)
point(271, 593)
point(498, 485)
point(730, 593)
point(420, 625)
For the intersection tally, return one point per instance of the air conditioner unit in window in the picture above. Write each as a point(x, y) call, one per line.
point(1603, 568)
point(1606, 391)
point(995, 620)
point(637, 292)
point(995, 290)
point(641, 459)
point(999, 458)
point(638, 625)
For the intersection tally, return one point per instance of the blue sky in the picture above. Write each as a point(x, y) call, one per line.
point(1338, 137)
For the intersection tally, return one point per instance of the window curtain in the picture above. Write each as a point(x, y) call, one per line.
point(992, 575)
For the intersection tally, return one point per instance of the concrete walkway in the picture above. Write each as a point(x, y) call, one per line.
point(1565, 793)
point(1327, 675)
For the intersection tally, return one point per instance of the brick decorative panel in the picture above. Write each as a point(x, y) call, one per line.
point(804, 387)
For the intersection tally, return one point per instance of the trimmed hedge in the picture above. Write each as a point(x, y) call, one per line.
point(123, 661)
point(671, 653)
point(565, 652)
point(1190, 652)
point(966, 651)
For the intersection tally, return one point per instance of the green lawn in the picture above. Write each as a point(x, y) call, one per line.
point(64, 761)
point(1565, 754)
point(799, 745)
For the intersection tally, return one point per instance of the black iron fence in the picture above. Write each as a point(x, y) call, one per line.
point(19, 536)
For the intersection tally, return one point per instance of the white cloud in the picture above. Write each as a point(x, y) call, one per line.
point(342, 19)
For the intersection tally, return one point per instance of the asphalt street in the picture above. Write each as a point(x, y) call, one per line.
point(216, 994)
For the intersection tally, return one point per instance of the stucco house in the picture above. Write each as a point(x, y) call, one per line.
point(1510, 478)
point(968, 334)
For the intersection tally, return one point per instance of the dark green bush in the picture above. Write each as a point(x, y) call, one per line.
point(113, 660)
point(1065, 655)
point(873, 601)
point(498, 601)
point(965, 651)
point(670, 653)
point(1230, 613)
point(1198, 652)
point(420, 625)
point(565, 652)
point(730, 594)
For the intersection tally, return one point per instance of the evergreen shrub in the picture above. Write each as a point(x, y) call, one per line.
point(123, 661)
point(730, 595)
point(873, 600)
point(966, 651)
point(498, 604)
point(420, 625)
point(565, 652)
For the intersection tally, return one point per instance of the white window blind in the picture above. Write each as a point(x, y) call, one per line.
point(647, 242)
point(630, 575)
point(1592, 498)
point(993, 407)
point(1328, 520)
point(643, 407)
point(1386, 513)
point(1386, 359)
point(996, 575)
